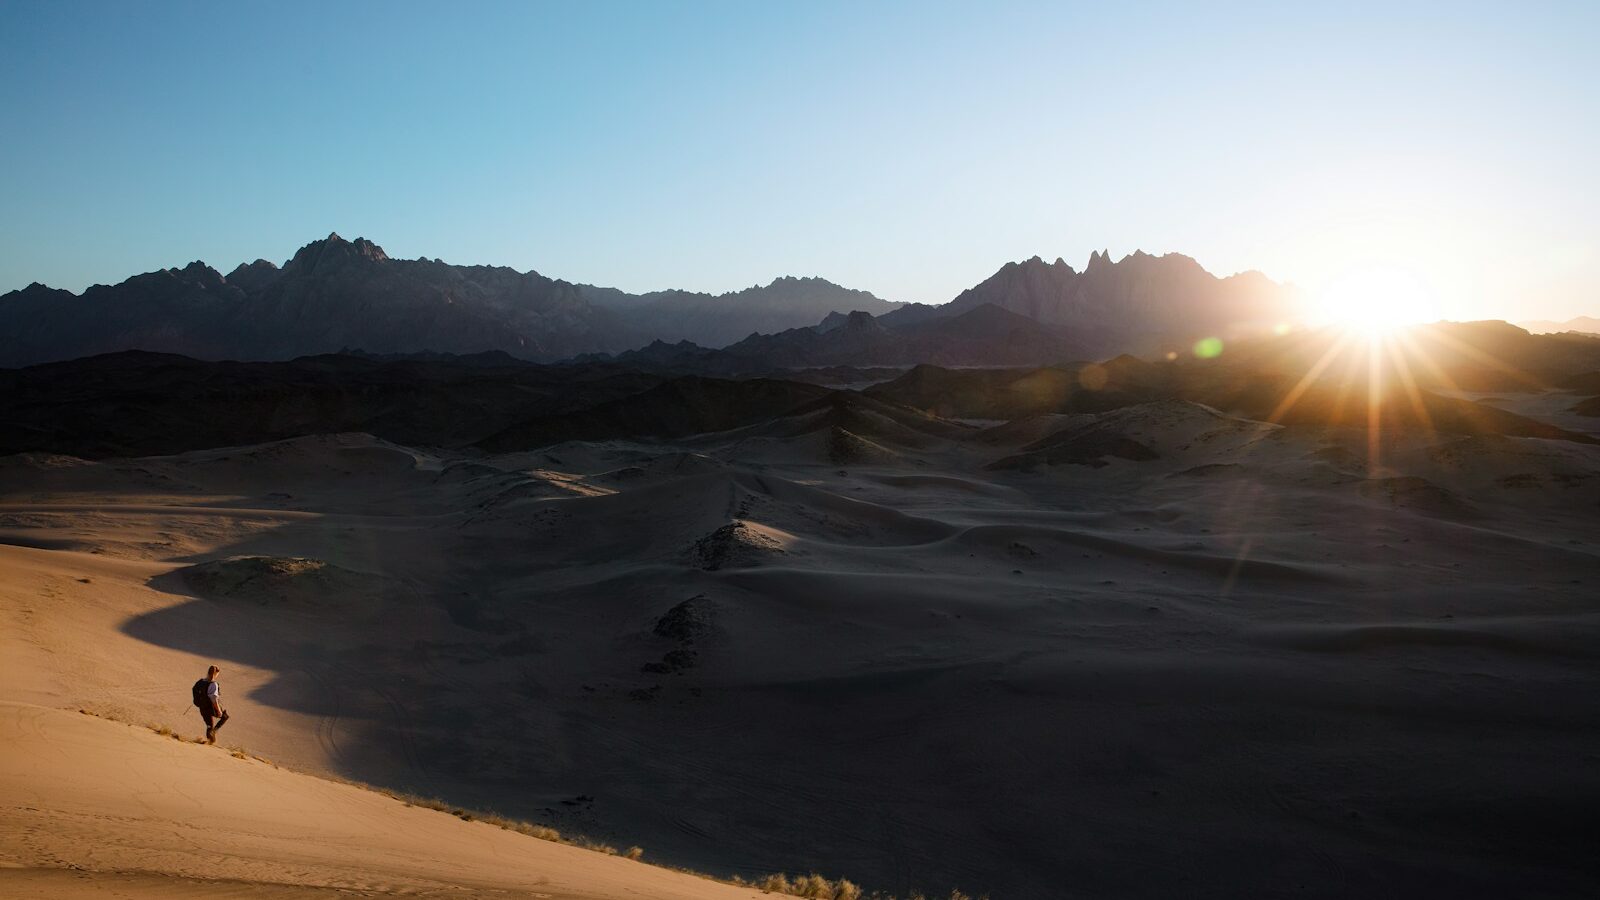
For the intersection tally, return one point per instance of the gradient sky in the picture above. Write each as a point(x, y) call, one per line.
point(908, 149)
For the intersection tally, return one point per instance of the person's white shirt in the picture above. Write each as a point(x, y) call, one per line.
point(213, 690)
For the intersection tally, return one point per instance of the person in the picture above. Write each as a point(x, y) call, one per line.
point(208, 697)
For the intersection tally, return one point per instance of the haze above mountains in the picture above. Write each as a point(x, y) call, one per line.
point(336, 294)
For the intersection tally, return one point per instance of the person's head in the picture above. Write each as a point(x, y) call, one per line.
point(212, 673)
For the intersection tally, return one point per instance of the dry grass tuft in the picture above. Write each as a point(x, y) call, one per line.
point(817, 887)
point(596, 846)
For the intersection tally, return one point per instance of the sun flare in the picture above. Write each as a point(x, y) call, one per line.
point(1377, 300)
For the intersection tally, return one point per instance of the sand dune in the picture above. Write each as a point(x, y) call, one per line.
point(1260, 656)
point(95, 808)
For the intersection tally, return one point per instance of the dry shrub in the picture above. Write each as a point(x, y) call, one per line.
point(777, 884)
point(634, 853)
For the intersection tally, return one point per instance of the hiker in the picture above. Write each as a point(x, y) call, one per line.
point(208, 699)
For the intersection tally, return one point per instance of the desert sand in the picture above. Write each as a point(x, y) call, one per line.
point(99, 809)
point(1255, 659)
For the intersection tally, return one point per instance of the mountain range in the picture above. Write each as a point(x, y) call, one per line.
point(1582, 324)
point(335, 294)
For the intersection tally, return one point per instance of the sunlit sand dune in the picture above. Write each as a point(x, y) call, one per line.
point(94, 808)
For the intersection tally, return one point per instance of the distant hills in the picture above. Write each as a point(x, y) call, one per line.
point(336, 294)
point(137, 403)
point(715, 321)
point(1582, 324)
point(986, 335)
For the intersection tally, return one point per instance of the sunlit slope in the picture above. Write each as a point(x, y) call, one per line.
point(135, 814)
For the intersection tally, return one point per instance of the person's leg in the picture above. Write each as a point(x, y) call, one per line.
point(221, 721)
point(206, 714)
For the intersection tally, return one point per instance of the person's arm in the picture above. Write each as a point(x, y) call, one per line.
point(215, 695)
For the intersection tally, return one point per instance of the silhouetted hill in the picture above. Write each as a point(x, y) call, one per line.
point(718, 320)
point(1015, 393)
point(1316, 378)
point(983, 336)
point(1142, 303)
point(136, 403)
point(683, 406)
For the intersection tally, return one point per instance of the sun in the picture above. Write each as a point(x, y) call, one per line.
point(1377, 300)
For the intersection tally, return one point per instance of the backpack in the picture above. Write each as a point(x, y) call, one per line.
point(201, 699)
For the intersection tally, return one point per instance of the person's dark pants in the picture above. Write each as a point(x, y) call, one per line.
point(220, 720)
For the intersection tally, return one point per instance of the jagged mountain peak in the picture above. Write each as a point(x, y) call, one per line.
point(196, 272)
point(333, 250)
point(859, 320)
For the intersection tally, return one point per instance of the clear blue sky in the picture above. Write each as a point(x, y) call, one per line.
point(908, 149)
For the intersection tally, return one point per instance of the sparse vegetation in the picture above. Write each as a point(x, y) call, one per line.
point(816, 887)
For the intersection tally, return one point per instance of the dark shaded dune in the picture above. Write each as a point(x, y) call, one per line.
point(977, 393)
point(32, 540)
point(847, 518)
point(678, 408)
point(135, 403)
point(1025, 430)
point(1349, 407)
point(1018, 393)
point(813, 601)
point(847, 448)
point(28, 473)
point(1487, 355)
point(295, 464)
point(295, 584)
point(943, 483)
point(734, 545)
point(1403, 638)
point(1582, 383)
point(1420, 494)
point(1213, 470)
point(1000, 540)
point(842, 428)
point(666, 465)
point(867, 417)
point(655, 521)
point(503, 497)
point(1090, 449)
point(1139, 432)
point(352, 453)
